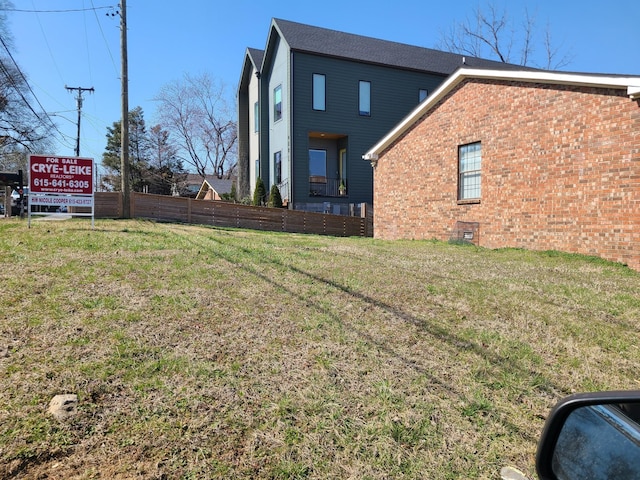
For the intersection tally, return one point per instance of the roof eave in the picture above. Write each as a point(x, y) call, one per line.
point(631, 83)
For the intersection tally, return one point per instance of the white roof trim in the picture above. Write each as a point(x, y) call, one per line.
point(630, 83)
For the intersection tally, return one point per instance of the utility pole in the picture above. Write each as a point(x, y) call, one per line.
point(124, 150)
point(79, 102)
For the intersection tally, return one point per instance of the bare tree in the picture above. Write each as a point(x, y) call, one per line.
point(491, 33)
point(165, 174)
point(23, 127)
point(195, 111)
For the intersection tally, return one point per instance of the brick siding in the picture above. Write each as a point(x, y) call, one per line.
point(560, 170)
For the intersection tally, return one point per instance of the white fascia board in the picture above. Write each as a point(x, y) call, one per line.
point(631, 83)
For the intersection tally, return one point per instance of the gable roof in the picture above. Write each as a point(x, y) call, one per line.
point(218, 185)
point(252, 59)
point(256, 56)
point(630, 83)
point(332, 43)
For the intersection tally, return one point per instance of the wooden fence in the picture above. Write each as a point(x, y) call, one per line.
point(225, 214)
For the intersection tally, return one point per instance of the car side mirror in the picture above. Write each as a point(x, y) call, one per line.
point(592, 435)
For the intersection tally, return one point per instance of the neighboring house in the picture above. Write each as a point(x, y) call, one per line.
point(188, 185)
point(314, 100)
point(213, 188)
point(536, 160)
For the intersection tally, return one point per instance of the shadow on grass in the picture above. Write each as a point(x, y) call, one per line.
point(441, 334)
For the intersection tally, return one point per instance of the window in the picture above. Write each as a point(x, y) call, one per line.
point(470, 159)
point(256, 117)
point(319, 91)
point(257, 168)
point(277, 162)
point(422, 94)
point(365, 98)
point(318, 163)
point(277, 103)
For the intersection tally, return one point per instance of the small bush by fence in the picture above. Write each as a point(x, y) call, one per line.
point(225, 214)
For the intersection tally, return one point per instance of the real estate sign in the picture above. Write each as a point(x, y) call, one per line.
point(60, 175)
point(61, 182)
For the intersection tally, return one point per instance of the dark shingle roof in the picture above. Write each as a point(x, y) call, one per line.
point(220, 185)
point(256, 56)
point(322, 41)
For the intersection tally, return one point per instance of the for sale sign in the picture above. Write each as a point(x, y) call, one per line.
point(60, 175)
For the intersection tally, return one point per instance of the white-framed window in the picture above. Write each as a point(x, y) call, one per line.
point(364, 98)
point(277, 103)
point(256, 117)
point(422, 94)
point(319, 91)
point(470, 163)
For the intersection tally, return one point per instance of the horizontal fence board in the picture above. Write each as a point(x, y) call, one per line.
point(226, 214)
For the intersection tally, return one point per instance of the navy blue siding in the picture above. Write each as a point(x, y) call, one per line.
point(394, 93)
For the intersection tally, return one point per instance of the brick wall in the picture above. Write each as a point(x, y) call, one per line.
point(560, 170)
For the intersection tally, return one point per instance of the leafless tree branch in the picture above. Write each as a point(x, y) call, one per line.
point(196, 111)
point(490, 33)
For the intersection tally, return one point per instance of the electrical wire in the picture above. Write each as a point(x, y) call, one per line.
point(95, 12)
point(46, 41)
point(57, 11)
point(19, 91)
point(86, 41)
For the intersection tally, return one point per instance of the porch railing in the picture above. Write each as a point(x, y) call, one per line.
point(326, 187)
point(284, 190)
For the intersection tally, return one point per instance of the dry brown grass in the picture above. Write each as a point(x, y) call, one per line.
point(207, 353)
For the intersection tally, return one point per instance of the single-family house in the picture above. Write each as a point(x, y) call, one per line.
point(528, 159)
point(187, 185)
point(315, 100)
point(213, 188)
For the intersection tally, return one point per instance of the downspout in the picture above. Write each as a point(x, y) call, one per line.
point(291, 205)
point(371, 157)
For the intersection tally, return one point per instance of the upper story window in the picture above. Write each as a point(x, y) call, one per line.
point(470, 161)
point(277, 103)
point(364, 98)
point(422, 94)
point(256, 117)
point(319, 91)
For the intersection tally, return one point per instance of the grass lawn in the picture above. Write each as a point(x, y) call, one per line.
point(199, 352)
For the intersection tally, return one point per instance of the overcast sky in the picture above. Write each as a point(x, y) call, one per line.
point(77, 43)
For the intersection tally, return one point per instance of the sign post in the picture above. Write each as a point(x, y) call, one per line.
point(61, 182)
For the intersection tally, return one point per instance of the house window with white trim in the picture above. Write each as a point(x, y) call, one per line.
point(470, 161)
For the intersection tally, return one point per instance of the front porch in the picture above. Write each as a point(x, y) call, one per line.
point(320, 186)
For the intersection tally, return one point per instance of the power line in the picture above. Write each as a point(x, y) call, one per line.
point(46, 41)
point(18, 90)
point(56, 11)
point(79, 100)
point(115, 68)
